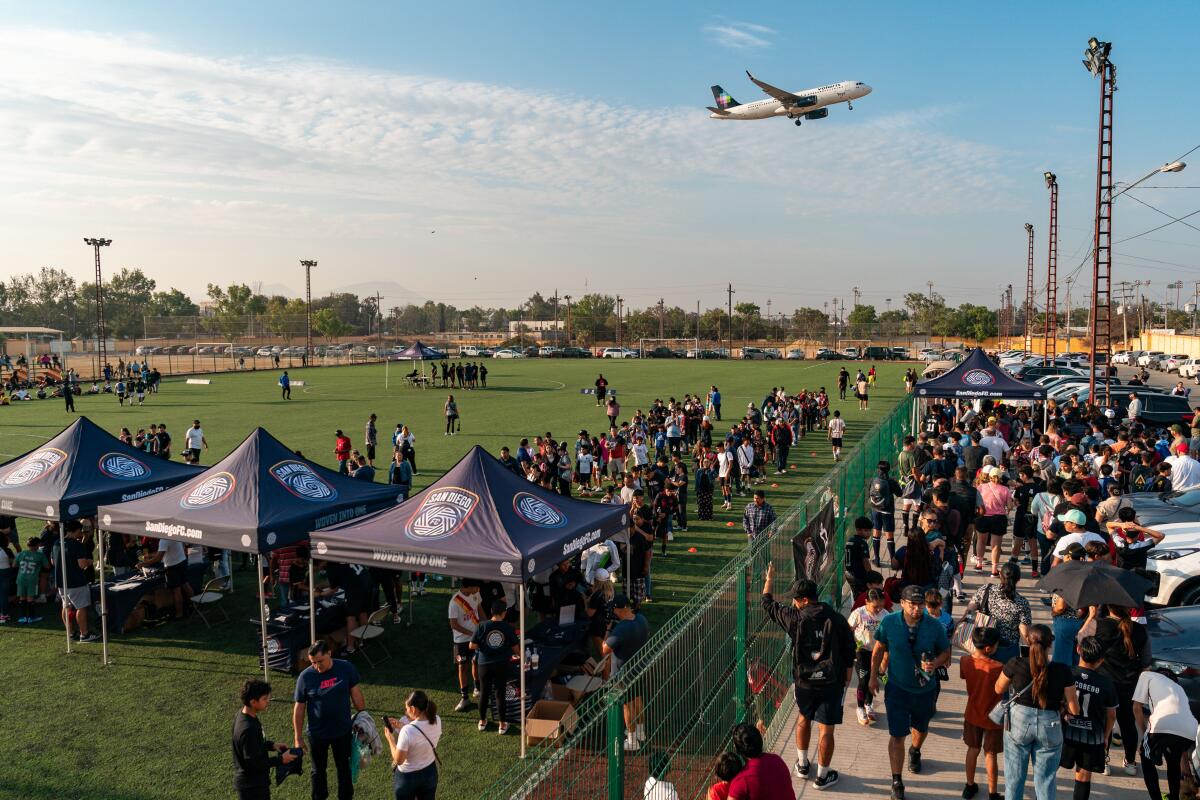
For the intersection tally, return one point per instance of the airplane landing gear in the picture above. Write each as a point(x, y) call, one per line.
point(797, 123)
point(849, 106)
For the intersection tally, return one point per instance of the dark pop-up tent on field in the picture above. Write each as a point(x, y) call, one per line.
point(976, 378)
point(81, 468)
point(257, 499)
point(479, 520)
point(417, 352)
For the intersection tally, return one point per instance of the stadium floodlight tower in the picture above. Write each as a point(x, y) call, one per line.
point(101, 349)
point(1029, 293)
point(308, 350)
point(1097, 62)
point(1050, 340)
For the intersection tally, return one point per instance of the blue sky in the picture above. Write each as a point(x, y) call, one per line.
point(554, 145)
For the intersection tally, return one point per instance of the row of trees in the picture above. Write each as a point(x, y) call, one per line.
point(135, 307)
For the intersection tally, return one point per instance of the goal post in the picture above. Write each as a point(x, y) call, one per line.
point(688, 347)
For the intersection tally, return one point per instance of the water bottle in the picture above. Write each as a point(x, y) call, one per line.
point(536, 660)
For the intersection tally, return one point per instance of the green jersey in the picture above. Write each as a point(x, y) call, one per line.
point(30, 563)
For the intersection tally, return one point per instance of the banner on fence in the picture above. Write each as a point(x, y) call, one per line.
point(814, 547)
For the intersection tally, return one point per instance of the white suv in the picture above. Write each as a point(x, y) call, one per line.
point(616, 352)
point(1176, 561)
point(1189, 368)
point(1148, 359)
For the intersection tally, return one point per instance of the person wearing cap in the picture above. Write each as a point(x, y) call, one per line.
point(822, 663)
point(1074, 523)
point(599, 607)
point(1185, 470)
point(915, 645)
point(995, 501)
point(193, 441)
point(626, 638)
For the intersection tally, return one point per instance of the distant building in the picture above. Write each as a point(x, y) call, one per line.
point(536, 325)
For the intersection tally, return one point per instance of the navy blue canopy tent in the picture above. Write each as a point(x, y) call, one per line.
point(81, 468)
point(976, 377)
point(260, 497)
point(479, 520)
point(418, 352)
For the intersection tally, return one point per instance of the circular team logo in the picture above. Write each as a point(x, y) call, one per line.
point(978, 377)
point(212, 490)
point(506, 568)
point(303, 481)
point(123, 467)
point(34, 467)
point(442, 513)
point(495, 639)
point(537, 511)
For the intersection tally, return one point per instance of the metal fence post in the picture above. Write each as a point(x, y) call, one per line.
point(740, 687)
point(616, 747)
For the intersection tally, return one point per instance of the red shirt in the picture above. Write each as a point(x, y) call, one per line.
point(764, 778)
point(341, 448)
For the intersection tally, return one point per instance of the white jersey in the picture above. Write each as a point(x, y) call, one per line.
point(837, 428)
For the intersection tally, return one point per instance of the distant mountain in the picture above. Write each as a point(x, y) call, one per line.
point(394, 294)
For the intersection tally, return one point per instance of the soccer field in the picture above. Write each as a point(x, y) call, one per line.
point(156, 723)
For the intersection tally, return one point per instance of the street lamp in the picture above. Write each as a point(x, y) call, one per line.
point(1174, 166)
point(101, 349)
point(308, 265)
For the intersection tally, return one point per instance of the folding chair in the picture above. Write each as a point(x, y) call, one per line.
point(372, 630)
point(210, 598)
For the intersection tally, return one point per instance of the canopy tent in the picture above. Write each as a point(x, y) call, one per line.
point(978, 378)
point(479, 520)
point(81, 468)
point(260, 497)
point(417, 352)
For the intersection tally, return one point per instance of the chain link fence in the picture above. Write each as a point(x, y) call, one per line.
point(717, 662)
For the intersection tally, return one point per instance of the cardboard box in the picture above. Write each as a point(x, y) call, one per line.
point(559, 692)
point(549, 719)
point(582, 685)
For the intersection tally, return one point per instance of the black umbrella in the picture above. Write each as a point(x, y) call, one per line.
point(1092, 583)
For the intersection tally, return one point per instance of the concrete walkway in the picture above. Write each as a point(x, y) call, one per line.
point(861, 758)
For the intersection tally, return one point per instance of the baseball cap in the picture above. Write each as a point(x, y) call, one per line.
point(601, 574)
point(1074, 515)
point(1076, 551)
point(1078, 499)
point(913, 593)
point(620, 601)
point(1181, 448)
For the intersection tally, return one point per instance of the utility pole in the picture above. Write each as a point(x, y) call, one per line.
point(729, 291)
point(1029, 294)
point(697, 329)
point(379, 323)
point(556, 331)
point(857, 295)
point(770, 324)
point(308, 351)
point(567, 297)
point(620, 300)
point(1195, 304)
point(1070, 280)
point(660, 318)
point(101, 334)
point(1100, 350)
point(1050, 342)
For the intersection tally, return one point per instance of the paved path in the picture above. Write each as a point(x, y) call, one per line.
point(861, 752)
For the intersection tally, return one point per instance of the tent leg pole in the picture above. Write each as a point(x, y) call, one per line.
point(103, 607)
point(521, 611)
point(312, 601)
point(262, 617)
point(62, 556)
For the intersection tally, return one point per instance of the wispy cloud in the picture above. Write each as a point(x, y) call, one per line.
point(740, 35)
point(273, 151)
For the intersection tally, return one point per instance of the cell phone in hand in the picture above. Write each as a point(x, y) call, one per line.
point(390, 722)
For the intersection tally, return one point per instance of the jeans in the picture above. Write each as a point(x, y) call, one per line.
point(1065, 628)
point(341, 761)
point(1045, 551)
point(781, 457)
point(419, 785)
point(1032, 733)
point(493, 679)
point(285, 594)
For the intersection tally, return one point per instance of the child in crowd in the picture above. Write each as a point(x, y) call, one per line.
point(30, 564)
point(933, 607)
point(874, 580)
point(980, 672)
point(863, 621)
point(728, 767)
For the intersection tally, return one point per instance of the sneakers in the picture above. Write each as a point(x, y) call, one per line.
point(802, 770)
point(1130, 768)
point(503, 729)
point(463, 703)
point(870, 714)
point(476, 693)
point(23, 621)
point(970, 790)
point(861, 713)
point(32, 620)
point(914, 761)
point(897, 790)
point(1033, 573)
point(91, 637)
point(830, 779)
point(482, 725)
point(631, 743)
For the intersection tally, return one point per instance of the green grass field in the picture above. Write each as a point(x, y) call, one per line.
point(155, 724)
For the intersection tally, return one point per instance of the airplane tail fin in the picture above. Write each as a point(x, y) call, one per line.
point(724, 99)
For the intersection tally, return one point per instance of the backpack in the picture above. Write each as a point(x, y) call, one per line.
point(1047, 516)
point(812, 654)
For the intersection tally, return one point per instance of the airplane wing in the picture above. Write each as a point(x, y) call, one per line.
point(716, 110)
point(787, 98)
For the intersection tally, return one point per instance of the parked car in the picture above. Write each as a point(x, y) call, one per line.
point(508, 352)
point(1174, 566)
point(1189, 368)
point(1166, 508)
point(615, 352)
point(548, 351)
point(878, 354)
point(831, 355)
point(930, 355)
point(1145, 358)
point(1171, 363)
point(1175, 645)
point(850, 352)
point(575, 352)
point(757, 354)
point(795, 354)
point(1027, 373)
point(900, 353)
point(469, 350)
point(659, 352)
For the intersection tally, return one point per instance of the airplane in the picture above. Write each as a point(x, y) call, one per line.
point(806, 104)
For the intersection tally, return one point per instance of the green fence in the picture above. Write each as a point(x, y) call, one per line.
point(719, 661)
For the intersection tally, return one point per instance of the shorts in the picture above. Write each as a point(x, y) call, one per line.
point(990, 741)
point(616, 467)
point(370, 452)
point(884, 521)
point(27, 586)
point(836, 441)
point(822, 705)
point(1076, 755)
point(992, 524)
point(177, 575)
point(1024, 526)
point(79, 597)
point(908, 710)
point(193, 453)
point(462, 652)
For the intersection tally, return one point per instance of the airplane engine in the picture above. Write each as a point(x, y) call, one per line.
point(818, 114)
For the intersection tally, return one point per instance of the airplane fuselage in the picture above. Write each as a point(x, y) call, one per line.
point(828, 95)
